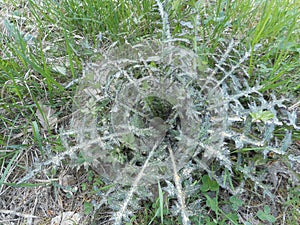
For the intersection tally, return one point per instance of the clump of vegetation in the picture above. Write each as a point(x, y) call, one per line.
point(182, 112)
point(208, 122)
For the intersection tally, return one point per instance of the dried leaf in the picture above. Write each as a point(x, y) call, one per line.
point(66, 218)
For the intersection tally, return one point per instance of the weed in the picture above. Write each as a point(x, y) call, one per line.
point(161, 112)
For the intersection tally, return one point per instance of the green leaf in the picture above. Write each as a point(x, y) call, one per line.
point(265, 215)
point(129, 139)
point(37, 136)
point(212, 203)
point(83, 186)
point(232, 217)
point(161, 203)
point(90, 176)
point(205, 184)
point(208, 184)
point(267, 209)
point(236, 202)
point(213, 186)
point(209, 222)
point(88, 207)
point(263, 116)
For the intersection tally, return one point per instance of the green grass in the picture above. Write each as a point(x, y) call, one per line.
point(46, 44)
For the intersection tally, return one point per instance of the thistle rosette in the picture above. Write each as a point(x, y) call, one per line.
point(144, 96)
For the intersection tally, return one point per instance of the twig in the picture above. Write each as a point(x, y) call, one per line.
point(121, 212)
point(180, 194)
point(17, 213)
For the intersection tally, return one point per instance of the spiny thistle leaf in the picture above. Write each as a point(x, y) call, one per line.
point(198, 115)
point(143, 98)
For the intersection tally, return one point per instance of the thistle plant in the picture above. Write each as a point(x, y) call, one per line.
point(165, 118)
point(150, 112)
